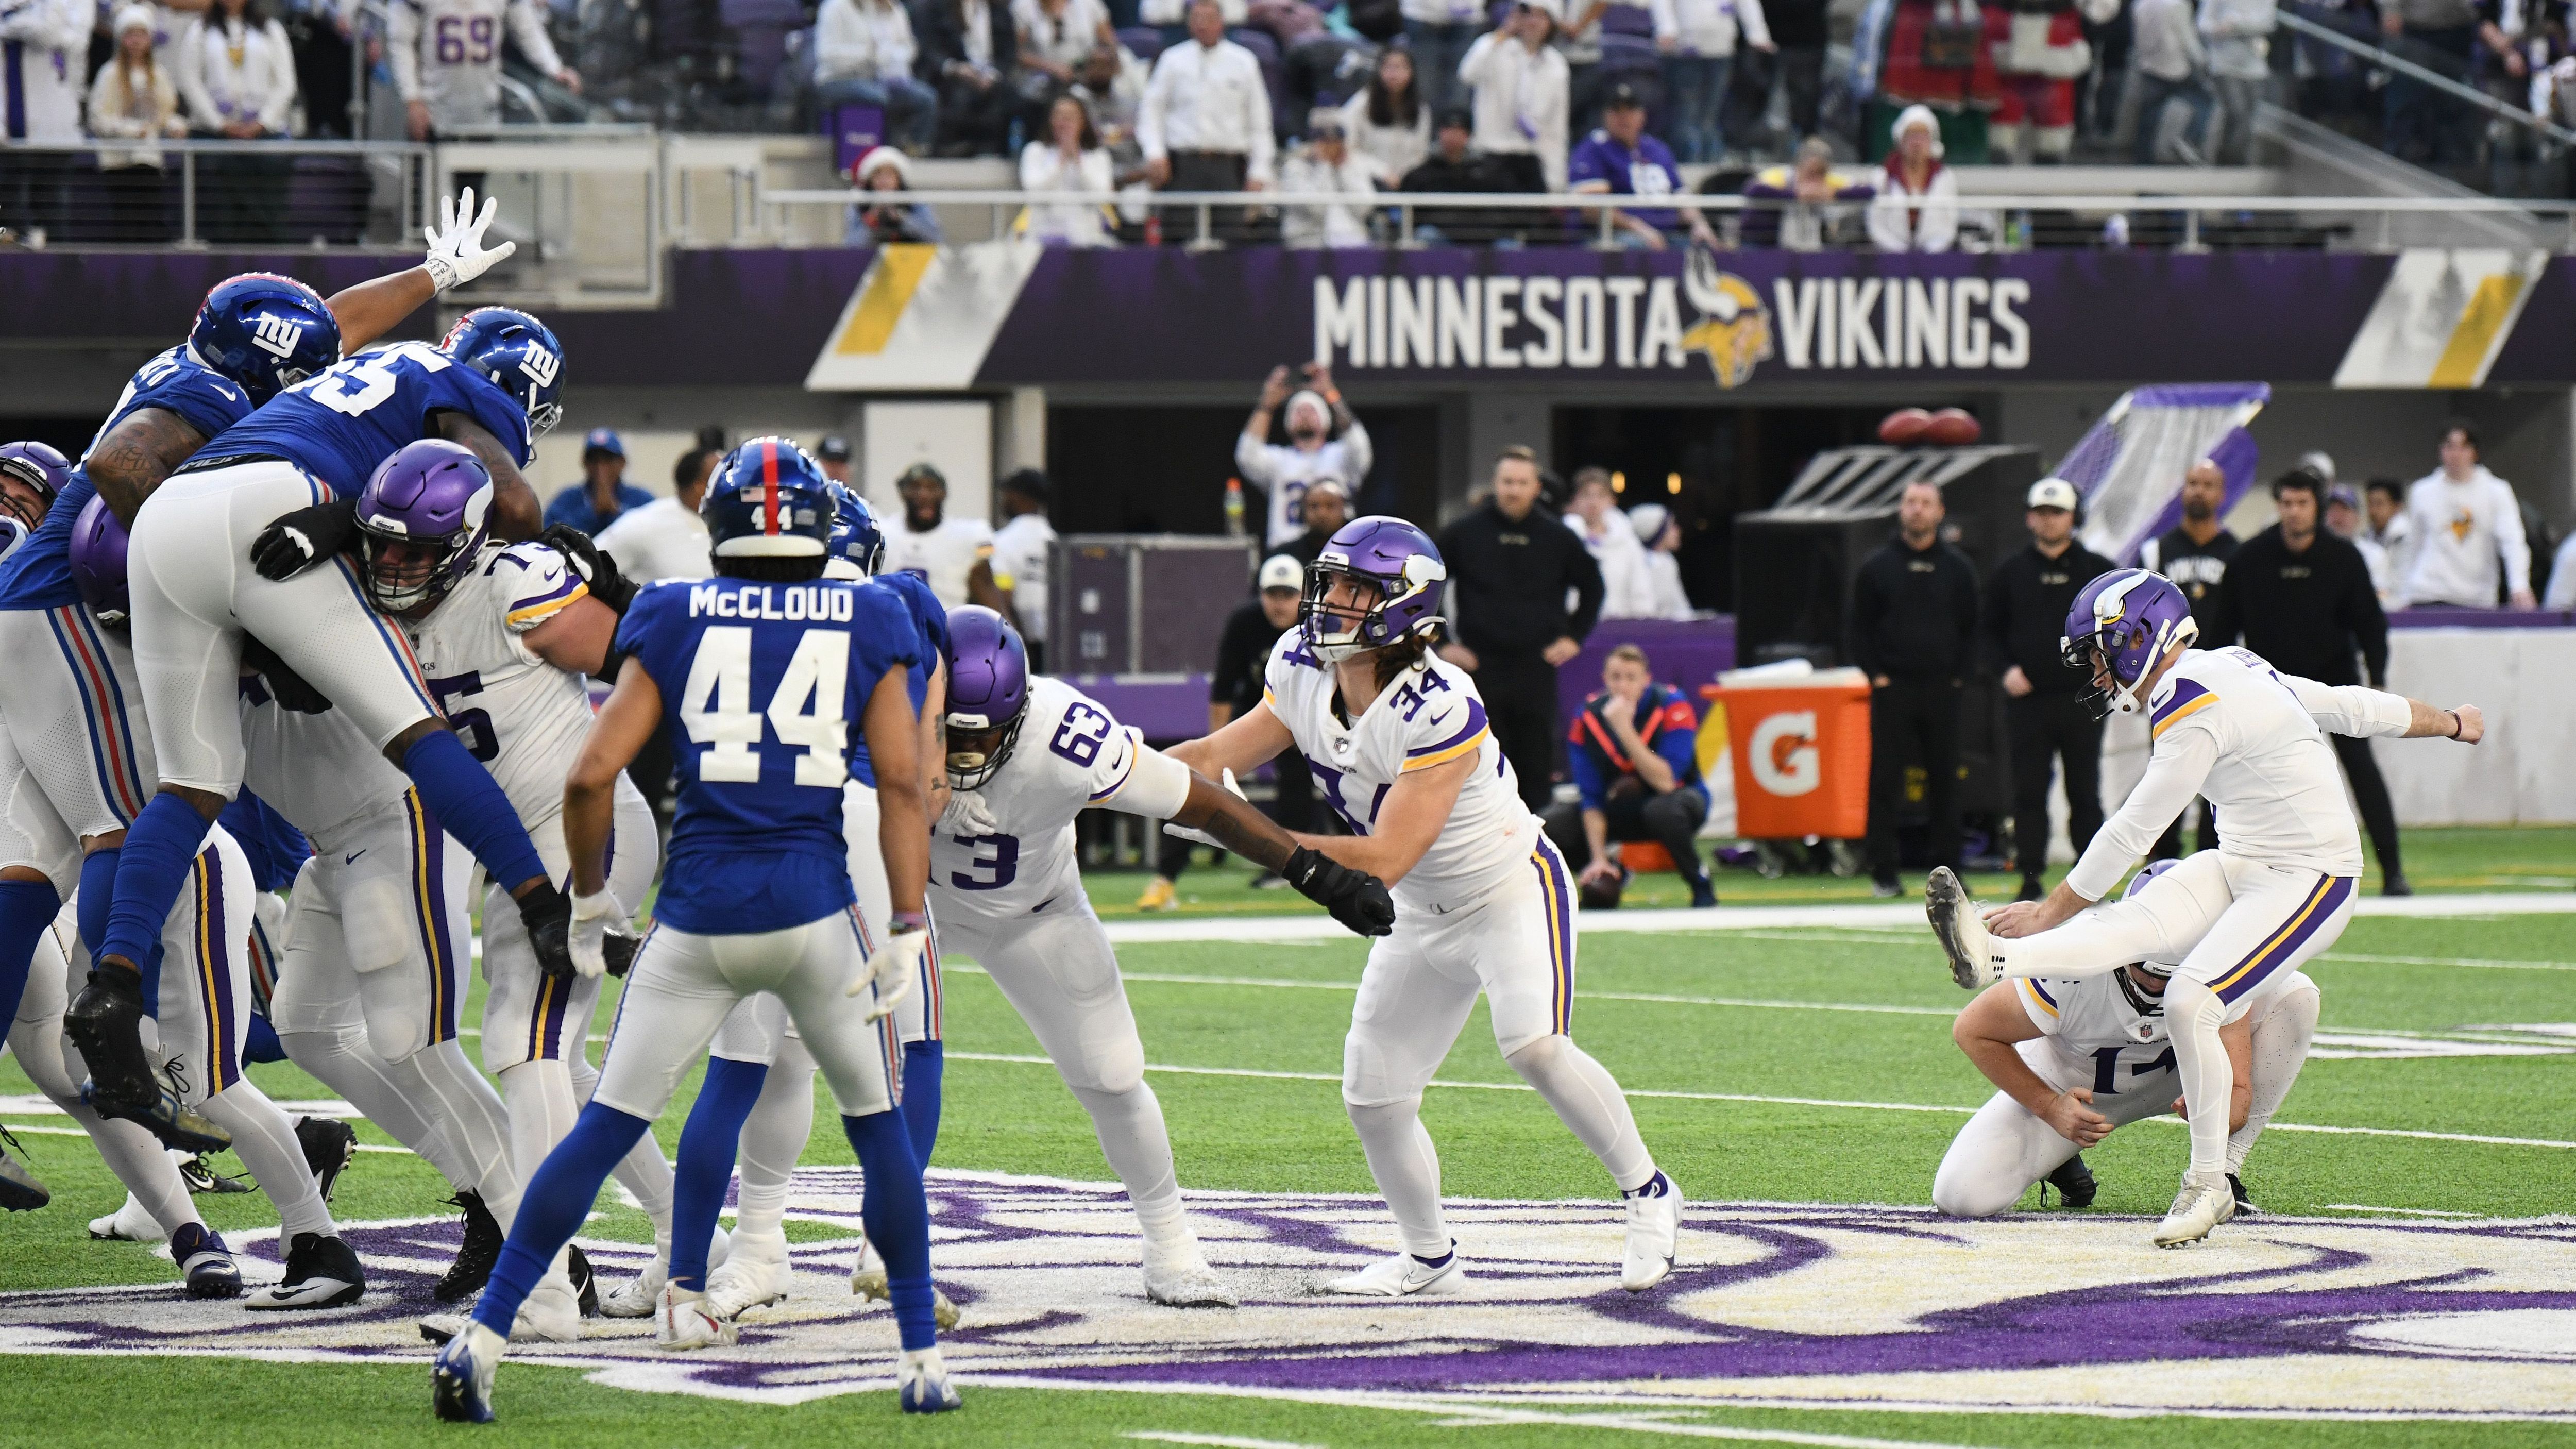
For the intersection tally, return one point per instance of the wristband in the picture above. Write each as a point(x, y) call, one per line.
point(2455, 723)
point(910, 921)
point(1333, 397)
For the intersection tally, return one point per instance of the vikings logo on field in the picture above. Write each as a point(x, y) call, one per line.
point(1734, 327)
point(1801, 1305)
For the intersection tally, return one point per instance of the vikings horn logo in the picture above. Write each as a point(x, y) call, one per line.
point(1734, 327)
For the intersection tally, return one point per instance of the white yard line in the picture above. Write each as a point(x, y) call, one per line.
point(1167, 978)
point(1218, 1441)
point(2354, 1207)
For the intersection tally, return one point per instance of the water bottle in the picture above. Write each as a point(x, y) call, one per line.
point(1234, 507)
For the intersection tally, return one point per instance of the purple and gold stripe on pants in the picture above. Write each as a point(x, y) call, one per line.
point(1559, 911)
point(2315, 909)
point(213, 950)
point(429, 902)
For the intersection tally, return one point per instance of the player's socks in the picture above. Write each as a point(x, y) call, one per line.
point(1139, 1148)
point(469, 806)
point(924, 1062)
point(1407, 1169)
point(2280, 1045)
point(644, 1172)
point(557, 1198)
point(773, 1138)
point(97, 895)
point(2193, 1013)
point(261, 1045)
point(26, 908)
point(151, 869)
point(1590, 1104)
point(705, 1163)
point(266, 1143)
point(341, 1060)
point(898, 1220)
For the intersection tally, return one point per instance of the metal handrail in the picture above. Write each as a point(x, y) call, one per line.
point(1686, 201)
point(2390, 60)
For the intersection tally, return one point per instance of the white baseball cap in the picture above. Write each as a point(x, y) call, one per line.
point(2053, 493)
point(1279, 571)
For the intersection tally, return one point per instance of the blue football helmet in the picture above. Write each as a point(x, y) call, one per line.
point(857, 545)
point(769, 499)
point(266, 332)
point(519, 354)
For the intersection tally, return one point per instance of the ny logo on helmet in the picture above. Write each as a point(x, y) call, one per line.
point(541, 364)
point(277, 335)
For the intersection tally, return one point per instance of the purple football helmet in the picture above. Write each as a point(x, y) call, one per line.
point(98, 563)
point(988, 694)
point(2126, 620)
point(1389, 556)
point(41, 469)
point(422, 519)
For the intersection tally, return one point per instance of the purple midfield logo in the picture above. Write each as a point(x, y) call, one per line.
point(1775, 1304)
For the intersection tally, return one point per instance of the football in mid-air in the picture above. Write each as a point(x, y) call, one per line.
point(1903, 427)
point(1952, 428)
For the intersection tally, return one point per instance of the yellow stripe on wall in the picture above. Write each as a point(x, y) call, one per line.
point(891, 282)
point(2490, 308)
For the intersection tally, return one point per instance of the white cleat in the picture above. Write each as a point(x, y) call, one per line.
point(550, 1314)
point(756, 1276)
point(1654, 1231)
point(921, 1383)
point(642, 1295)
point(461, 1379)
point(682, 1322)
point(129, 1223)
point(2203, 1204)
point(1177, 1275)
point(1974, 963)
point(868, 1280)
point(1405, 1275)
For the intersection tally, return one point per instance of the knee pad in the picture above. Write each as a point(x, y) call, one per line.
point(1534, 1057)
point(1115, 1068)
point(1373, 1076)
point(397, 1013)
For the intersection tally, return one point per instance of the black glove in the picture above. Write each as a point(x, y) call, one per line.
point(1357, 899)
point(299, 540)
point(620, 948)
point(285, 686)
point(548, 916)
point(597, 569)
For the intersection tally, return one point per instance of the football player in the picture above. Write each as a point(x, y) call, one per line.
point(33, 848)
point(254, 335)
point(762, 675)
point(1402, 753)
point(278, 490)
point(954, 554)
point(2238, 921)
point(504, 634)
point(2073, 1059)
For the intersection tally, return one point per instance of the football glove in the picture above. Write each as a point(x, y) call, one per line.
point(598, 570)
point(892, 969)
point(285, 686)
point(456, 251)
point(1357, 899)
point(548, 918)
point(588, 937)
point(1187, 832)
point(297, 541)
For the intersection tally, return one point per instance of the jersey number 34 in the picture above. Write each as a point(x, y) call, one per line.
point(809, 709)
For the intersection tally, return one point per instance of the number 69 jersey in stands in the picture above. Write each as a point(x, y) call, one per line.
point(1007, 850)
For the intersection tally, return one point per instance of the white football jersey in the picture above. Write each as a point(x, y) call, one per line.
point(1020, 568)
point(944, 555)
point(1007, 850)
point(1429, 715)
point(446, 54)
point(660, 540)
point(318, 770)
point(2100, 1032)
point(522, 717)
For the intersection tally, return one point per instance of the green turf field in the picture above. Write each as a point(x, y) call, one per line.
point(1713, 1034)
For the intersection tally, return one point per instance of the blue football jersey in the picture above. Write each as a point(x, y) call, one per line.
point(763, 689)
point(39, 574)
point(277, 850)
point(930, 625)
point(340, 423)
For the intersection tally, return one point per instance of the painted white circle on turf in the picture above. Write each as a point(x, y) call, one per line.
point(2504, 1333)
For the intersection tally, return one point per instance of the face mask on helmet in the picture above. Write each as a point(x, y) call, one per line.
point(2121, 627)
point(977, 753)
point(421, 519)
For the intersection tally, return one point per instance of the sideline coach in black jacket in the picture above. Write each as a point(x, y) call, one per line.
point(2026, 604)
point(1510, 565)
point(1914, 630)
point(2301, 598)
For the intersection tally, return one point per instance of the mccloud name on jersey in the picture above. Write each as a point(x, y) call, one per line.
point(824, 603)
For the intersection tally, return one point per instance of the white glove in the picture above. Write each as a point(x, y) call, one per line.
point(1201, 836)
point(892, 969)
point(456, 251)
point(969, 813)
point(591, 918)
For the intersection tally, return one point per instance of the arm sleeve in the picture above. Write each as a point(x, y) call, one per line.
point(2349, 709)
point(2511, 541)
point(277, 108)
point(1252, 460)
point(1265, 146)
point(1359, 452)
point(1678, 745)
point(2182, 759)
point(541, 586)
point(528, 27)
point(1551, 123)
point(1584, 764)
point(1757, 26)
point(1668, 25)
point(1585, 576)
point(1472, 65)
point(189, 64)
point(1156, 786)
point(1158, 98)
point(402, 48)
point(1887, 222)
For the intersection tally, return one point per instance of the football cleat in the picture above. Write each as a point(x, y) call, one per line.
point(1177, 1275)
point(1158, 896)
point(756, 1275)
point(460, 1380)
point(105, 1020)
point(921, 1383)
point(1654, 1234)
point(130, 1223)
point(20, 1192)
point(1404, 1275)
point(159, 1112)
point(551, 1313)
point(208, 1265)
point(868, 1280)
point(585, 1283)
point(321, 1272)
point(2203, 1204)
point(1973, 963)
point(475, 1257)
point(642, 1295)
point(2236, 1190)
point(681, 1322)
point(329, 1146)
point(200, 1177)
point(2074, 1182)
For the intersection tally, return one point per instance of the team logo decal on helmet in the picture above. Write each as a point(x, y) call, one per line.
point(265, 332)
point(1395, 579)
point(40, 466)
point(2120, 625)
point(519, 354)
point(770, 499)
point(422, 518)
point(988, 694)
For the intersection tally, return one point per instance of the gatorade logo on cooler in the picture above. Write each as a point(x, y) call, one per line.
point(1796, 770)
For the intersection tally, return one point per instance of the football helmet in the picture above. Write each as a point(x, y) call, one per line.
point(266, 332)
point(519, 354)
point(857, 545)
point(988, 694)
point(769, 499)
point(1399, 577)
point(98, 563)
point(38, 465)
point(422, 520)
point(2123, 622)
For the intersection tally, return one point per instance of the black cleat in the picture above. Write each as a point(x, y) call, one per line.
point(2394, 884)
point(482, 1248)
point(329, 1146)
point(321, 1272)
point(2074, 1182)
point(2032, 889)
point(1885, 887)
point(106, 1022)
point(20, 1192)
point(2244, 1204)
point(201, 1177)
point(584, 1283)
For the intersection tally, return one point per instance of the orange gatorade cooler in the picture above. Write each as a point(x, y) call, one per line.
point(1800, 742)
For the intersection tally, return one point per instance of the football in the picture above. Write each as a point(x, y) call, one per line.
point(1600, 895)
point(1950, 428)
point(1904, 427)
